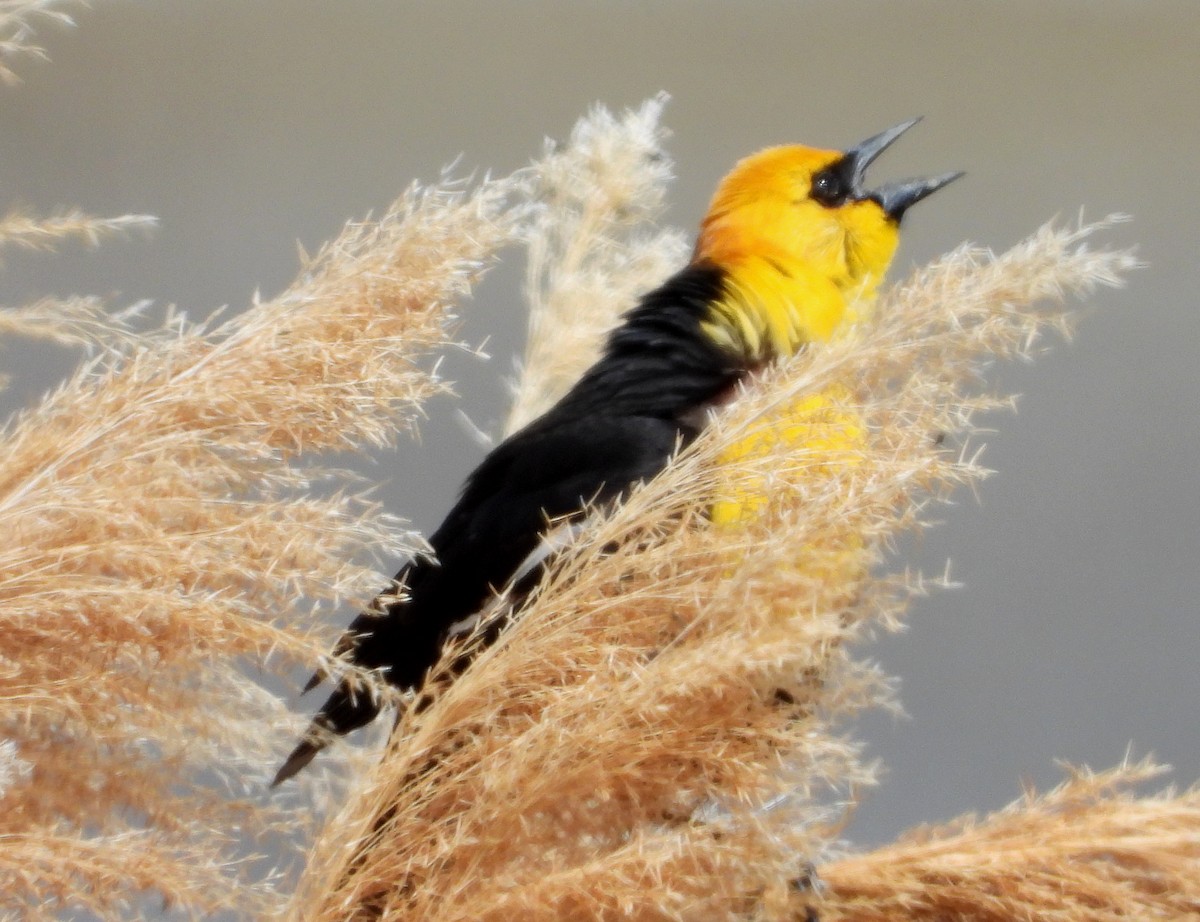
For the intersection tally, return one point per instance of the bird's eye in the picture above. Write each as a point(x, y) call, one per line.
point(827, 189)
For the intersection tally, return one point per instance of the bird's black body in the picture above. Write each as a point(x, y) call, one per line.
point(620, 424)
point(804, 216)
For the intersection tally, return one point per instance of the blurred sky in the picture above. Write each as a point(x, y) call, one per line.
point(247, 125)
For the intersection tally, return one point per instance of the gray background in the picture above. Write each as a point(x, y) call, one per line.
point(248, 125)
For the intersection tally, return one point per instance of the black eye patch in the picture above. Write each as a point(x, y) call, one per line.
point(829, 189)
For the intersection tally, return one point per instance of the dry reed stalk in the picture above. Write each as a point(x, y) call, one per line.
point(162, 532)
point(593, 248)
point(77, 321)
point(18, 24)
point(654, 737)
point(20, 230)
point(1088, 851)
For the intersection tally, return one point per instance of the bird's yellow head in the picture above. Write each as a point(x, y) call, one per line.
point(799, 235)
point(802, 203)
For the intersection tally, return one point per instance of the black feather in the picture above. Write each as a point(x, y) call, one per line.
point(617, 426)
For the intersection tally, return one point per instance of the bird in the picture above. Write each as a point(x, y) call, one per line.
point(791, 243)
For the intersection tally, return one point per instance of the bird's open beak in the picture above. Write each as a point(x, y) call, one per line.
point(893, 197)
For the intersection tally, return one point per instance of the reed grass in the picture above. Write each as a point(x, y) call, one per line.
point(657, 735)
point(169, 536)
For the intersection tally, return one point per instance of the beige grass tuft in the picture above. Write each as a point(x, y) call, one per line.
point(1088, 851)
point(160, 531)
point(656, 735)
point(19, 21)
point(20, 230)
point(594, 246)
point(78, 321)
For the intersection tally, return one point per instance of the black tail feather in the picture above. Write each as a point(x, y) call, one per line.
point(304, 753)
point(349, 707)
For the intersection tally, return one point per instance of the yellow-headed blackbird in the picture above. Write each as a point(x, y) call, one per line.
point(791, 243)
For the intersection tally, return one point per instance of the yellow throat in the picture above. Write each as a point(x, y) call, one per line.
point(795, 269)
point(802, 248)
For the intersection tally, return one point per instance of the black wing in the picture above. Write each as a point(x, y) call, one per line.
point(553, 469)
point(619, 424)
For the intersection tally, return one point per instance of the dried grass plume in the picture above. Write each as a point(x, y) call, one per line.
point(1087, 851)
point(656, 736)
point(19, 22)
point(164, 532)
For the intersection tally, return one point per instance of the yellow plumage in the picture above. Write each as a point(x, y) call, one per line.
point(797, 272)
point(820, 431)
point(789, 253)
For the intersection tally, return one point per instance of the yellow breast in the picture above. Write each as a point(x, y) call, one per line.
point(774, 305)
